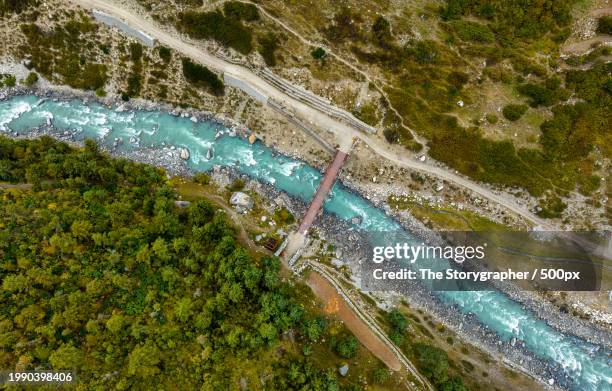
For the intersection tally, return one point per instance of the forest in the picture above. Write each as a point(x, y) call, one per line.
point(104, 275)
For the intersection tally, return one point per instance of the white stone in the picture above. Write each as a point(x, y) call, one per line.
point(184, 154)
point(241, 201)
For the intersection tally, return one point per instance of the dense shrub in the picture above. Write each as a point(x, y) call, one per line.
point(318, 53)
point(227, 31)
point(346, 347)
point(472, 31)
point(346, 25)
point(10, 81)
point(268, 45)
point(514, 18)
point(164, 53)
point(31, 79)
point(570, 134)
point(202, 77)
point(135, 51)
point(15, 6)
point(241, 11)
point(381, 32)
point(551, 206)
point(433, 363)
point(513, 112)
point(62, 53)
point(604, 25)
point(546, 93)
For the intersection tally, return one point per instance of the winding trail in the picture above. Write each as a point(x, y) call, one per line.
point(347, 63)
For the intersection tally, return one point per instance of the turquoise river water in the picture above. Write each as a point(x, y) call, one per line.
point(588, 366)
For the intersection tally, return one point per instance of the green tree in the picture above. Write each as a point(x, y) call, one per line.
point(66, 356)
point(183, 309)
point(143, 361)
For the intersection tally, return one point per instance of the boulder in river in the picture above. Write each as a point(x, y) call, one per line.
point(184, 154)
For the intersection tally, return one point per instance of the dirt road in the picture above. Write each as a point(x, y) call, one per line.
point(362, 332)
point(321, 120)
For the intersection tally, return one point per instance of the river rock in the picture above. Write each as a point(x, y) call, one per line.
point(241, 201)
point(184, 153)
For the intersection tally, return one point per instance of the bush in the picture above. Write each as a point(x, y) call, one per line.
point(433, 363)
point(202, 178)
point(283, 217)
point(241, 11)
point(397, 320)
point(134, 85)
point(551, 207)
point(514, 112)
point(492, 119)
point(267, 48)
point(544, 94)
point(15, 6)
point(202, 77)
point(135, 51)
point(473, 32)
point(391, 135)
point(227, 31)
point(31, 79)
point(10, 81)
point(237, 185)
point(318, 53)
point(165, 54)
point(604, 25)
point(381, 31)
point(347, 347)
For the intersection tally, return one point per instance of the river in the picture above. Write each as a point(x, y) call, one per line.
point(587, 365)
